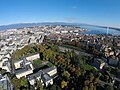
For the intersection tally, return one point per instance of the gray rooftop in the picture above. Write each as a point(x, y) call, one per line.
point(35, 75)
point(49, 69)
point(22, 70)
point(5, 83)
point(46, 77)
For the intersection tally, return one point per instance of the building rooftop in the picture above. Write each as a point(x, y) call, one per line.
point(46, 77)
point(22, 70)
point(49, 69)
point(5, 83)
point(35, 75)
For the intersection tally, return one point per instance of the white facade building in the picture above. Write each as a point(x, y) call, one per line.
point(51, 71)
point(33, 57)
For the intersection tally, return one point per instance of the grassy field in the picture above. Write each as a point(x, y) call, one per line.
point(88, 67)
point(38, 61)
point(50, 64)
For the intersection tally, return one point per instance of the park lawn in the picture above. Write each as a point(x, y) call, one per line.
point(39, 64)
point(50, 64)
point(88, 67)
point(38, 61)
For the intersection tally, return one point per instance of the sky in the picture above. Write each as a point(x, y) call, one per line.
point(97, 12)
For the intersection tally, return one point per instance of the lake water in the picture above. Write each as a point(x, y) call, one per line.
point(99, 30)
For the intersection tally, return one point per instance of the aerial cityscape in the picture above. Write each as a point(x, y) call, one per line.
point(59, 45)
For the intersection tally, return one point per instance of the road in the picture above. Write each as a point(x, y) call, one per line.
point(105, 83)
point(63, 49)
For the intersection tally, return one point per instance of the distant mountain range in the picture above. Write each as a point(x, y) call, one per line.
point(21, 25)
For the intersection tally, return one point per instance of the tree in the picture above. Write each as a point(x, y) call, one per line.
point(86, 82)
point(96, 80)
point(16, 83)
point(69, 54)
point(94, 88)
point(39, 85)
point(72, 69)
point(108, 87)
point(66, 74)
point(106, 78)
point(32, 88)
point(2, 71)
point(53, 87)
point(72, 89)
point(85, 88)
point(91, 77)
point(91, 86)
point(77, 72)
point(63, 84)
point(54, 48)
point(49, 54)
point(41, 48)
point(24, 82)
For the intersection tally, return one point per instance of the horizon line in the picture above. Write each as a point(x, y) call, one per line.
point(58, 22)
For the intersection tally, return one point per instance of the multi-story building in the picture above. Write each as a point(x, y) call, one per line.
point(5, 83)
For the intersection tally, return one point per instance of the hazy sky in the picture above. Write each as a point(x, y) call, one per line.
point(99, 12)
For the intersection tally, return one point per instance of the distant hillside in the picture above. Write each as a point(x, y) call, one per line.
point(21, 25)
